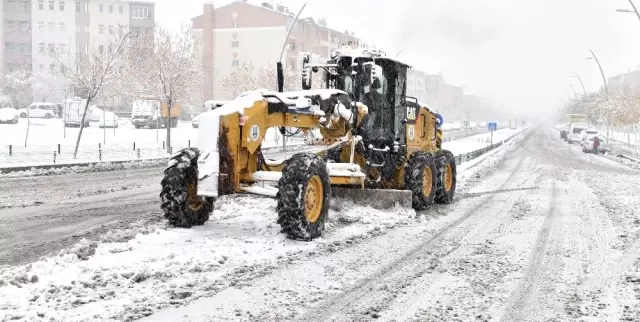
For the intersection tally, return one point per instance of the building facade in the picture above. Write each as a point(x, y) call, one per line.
point(243, 33)
point(17, 42)
point(34, 31)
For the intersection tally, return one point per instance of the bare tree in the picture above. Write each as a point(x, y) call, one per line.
point(166, 67)
point(245, 78)
point(44, 84)
point(94, 71)
point(18, 86)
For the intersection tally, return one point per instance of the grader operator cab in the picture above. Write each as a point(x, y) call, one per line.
point(373, 139)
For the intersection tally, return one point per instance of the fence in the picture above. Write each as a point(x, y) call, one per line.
point(466, 157)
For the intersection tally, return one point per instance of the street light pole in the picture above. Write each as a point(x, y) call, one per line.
point(581, 83)
point(634, 9)
point(604, 79)
point(574, 90)
point(280, 70)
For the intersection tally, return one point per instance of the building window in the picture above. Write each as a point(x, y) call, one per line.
point(23, 6)
point(63, 27)
point(121, 30)
point(110, 29)
point(101, 8)
point(292, 46)
point(41, 25)
point(61, 5)
point(24, 26)
point(235, 44)
point(52, 26)
point(77, 6)
point(11, 47)
point(63, 48)
point(11, 25)
point(110, 8)
point(52, 5)
point(121, 9)
point(138, 12)
point(235, 63)
point(41, 48)
point(52, 48)
point(101, 29)
point(41, 4)
point(101, 49)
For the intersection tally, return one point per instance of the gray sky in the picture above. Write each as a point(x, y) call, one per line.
point(516, 53)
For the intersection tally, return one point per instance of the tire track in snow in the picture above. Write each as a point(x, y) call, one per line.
point(521, 308)
point(395, 275)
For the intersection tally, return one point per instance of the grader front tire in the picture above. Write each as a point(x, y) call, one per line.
point(181, 205)
point(303, 197)
point(420, 179)
point(447, 177)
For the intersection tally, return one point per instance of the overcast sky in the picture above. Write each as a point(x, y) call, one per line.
point(519, 54)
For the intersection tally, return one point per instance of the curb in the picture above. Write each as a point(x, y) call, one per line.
point(69, 165)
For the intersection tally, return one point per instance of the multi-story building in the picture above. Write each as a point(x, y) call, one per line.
point(53, 42)
point(34, 31)
point(243, 33)
point(629, 79)
point(108, 20)
point(17, 35)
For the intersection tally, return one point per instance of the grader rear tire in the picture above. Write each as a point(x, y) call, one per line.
point(420, 178)
point(303, 197)
point(447, 175)
point(181, 205)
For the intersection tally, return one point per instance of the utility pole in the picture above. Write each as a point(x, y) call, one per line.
point(581, 83)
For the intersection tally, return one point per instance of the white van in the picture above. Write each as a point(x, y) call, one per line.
point(73, 109)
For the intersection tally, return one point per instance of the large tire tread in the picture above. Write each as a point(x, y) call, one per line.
point(445, 157)
point(297, 172)
point(182, 169)
point(413, 180)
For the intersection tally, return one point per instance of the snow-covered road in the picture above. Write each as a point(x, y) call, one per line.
point(541, 237)
point(539, 231)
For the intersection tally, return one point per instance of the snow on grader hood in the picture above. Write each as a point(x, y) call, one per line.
point(355, 158)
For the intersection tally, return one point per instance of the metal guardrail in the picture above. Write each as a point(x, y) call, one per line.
point(466, 157)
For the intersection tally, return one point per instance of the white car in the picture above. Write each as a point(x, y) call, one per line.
point(574, 132)
point(585, 134)
point(108, 119)
point(587, 144)
point(39, 110)
point(9, 115)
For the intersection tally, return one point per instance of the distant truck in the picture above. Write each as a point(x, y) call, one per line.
point(151, 113)
point(513, 124)
point(72, 112)
point(572, 119)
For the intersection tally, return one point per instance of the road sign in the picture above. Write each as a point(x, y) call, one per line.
point(492, 126)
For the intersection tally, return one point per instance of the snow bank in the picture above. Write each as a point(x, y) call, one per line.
point(104, 166)
point(475, 142)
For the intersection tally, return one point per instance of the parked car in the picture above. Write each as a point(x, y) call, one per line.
point(587, 144)
point(195, 121)
point(39, 110)
point(585, 134)
point(574, 132)
point(8, 115)
point(108, 119)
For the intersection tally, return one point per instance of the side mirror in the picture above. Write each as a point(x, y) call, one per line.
point(307, 72)
point(376, 73)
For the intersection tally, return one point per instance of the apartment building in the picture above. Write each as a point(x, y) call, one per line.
point(241, 32)
point(34, 29)
point(17, 47)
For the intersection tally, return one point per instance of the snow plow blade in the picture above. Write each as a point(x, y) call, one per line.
point(375, 198)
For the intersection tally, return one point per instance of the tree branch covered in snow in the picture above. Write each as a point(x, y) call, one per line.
point(44, 85)
point(620, 107)
point(18, 87)
point(245, 78)
point(97, 71)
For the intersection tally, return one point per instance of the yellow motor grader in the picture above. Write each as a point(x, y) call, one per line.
point(375, 142)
